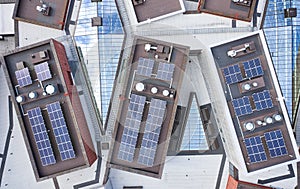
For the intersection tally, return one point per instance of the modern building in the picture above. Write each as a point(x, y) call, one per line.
point(147, 107)
point(51, 13)
point(235, 9)
point(148, 11)
point(259, 117)
point(49, 109)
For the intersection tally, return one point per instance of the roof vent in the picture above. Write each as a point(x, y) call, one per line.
point(291, 12)
point(97, 21)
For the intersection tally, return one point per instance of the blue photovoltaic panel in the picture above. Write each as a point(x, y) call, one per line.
point(23, 77)
point(43, 72)
point(165, 71)
point(255, 149)
point(41, 136)
point(242, 106)
point(152, 131)
point(131, 127)
point(145, 66)
point(60, 130)
point(232, 74)
point(262, 100)
point(275, 143)
point(253, 68)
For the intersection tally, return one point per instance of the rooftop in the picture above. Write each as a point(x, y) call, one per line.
point(48, 108)
point(255, 102)
point(50, 13)
point(155, 9)
point(147, 106)
point(241, 10)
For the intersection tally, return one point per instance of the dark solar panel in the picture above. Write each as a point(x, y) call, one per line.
point(255, 149)
point(60, 130)
point(253, 68)
point(232, 74)
point(275, 143)
point(131, 127)
point(242, 106)
point(262, 100)
point(41, 136)
point(43, 72)
point(145, 66)
point(165, 71)
point(23, 77)
point(152, 131)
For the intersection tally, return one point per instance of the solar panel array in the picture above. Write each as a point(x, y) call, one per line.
point(23, 77)
point(152, 131)
point(60, 130)
point(43, 72)
point(253, 68)
point(232, 74)
point(165, 71)
point(255, 149)
point(242, 106)
point(41, 136)
point(131, 127)
point(275, 143)
point(145, 66)
point(262, 100)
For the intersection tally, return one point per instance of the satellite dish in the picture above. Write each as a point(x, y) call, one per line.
point(50, 89)
point(165, 92)
point(20, 99)
point(32, 95)
point(249, 126)
point(154, 90)
point(277, 117)
point(139, 87)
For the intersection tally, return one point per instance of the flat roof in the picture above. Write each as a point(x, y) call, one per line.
point(146, 10)
point(227, 8)
point(6, 24)
point(54, 15)
point(147, 106)
point(48, 108)
point(255, 102)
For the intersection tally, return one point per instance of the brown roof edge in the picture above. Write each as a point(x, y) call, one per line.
point(235, 184)
point(86, 140)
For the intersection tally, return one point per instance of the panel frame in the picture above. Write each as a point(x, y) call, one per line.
point(130, 134)
point(152, 132)
point(60, 130)
point(41, 136)
point(255, 149)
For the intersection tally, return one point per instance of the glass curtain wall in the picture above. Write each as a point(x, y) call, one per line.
point(282, 35)
point(101, 47)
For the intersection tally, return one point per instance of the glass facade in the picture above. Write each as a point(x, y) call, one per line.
point(194, 137)
point(283, 37)
point(101, 47)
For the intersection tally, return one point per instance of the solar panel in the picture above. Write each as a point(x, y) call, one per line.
point(152, 132)
point(255, 149)
point(60, 130)
point(262, 100)
point(275, 143)
point(145, 66)
point(165, 71)
point(253, 68)
point(131, 127)
point(242, 106)
point(232, 74)
point(23, 77)
point(43, 72)
point(41, 136)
